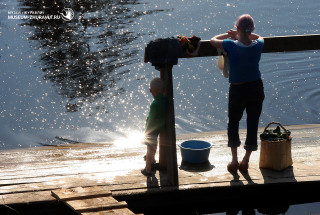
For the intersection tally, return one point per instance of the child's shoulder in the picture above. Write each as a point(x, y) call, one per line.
point(159, 101)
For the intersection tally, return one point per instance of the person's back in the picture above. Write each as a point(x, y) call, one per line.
point(244, 60)
point(246, 91)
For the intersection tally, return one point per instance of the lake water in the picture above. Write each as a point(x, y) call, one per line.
point(85, 80)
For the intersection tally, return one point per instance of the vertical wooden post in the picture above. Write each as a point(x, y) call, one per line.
point(163, 133)
point(167, 149)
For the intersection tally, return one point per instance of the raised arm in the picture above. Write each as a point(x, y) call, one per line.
point(216, 41)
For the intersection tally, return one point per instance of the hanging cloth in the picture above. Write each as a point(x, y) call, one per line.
point(223, 62)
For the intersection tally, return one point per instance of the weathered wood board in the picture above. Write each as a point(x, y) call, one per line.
point(124, 211)
point(29, 175)
point(88, 199)
point(80, 193)
point(95, 204)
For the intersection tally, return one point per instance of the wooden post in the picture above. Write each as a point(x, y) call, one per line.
point(162, 150)
point(163, 133)
point(167, 149)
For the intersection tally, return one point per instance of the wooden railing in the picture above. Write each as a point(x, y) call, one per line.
point(273, 44)
point(167, 151)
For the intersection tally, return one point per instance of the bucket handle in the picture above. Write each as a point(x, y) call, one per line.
point(277, 123)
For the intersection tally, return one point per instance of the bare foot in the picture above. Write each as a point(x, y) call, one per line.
point(233, 166)
point(244, 166)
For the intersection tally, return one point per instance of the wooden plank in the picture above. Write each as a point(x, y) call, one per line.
point(273, 44)
point(80, 193)
point(291, 43)
point(135, 182)
point(124, 211)
point(206, 49)
point(96, 204)
point(26, 198)
point(89, 199)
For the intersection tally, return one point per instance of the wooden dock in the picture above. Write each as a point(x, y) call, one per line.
point(28, 176)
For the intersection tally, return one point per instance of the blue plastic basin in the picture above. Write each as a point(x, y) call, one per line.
point(195, 151)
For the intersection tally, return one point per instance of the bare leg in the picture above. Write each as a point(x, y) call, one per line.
point(246, 157)
point(244, 164)
point(154, 154)
point(234, 164)
point(150, 158)
point(234, 152)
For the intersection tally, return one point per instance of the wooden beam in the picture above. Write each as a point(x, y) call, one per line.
point(292, 43)
point(164, 133)
point(163, 150)
point(206, 49)
point(168, 153)
point(273, 44)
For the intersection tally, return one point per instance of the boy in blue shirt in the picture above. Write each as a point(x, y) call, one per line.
point(155, 122)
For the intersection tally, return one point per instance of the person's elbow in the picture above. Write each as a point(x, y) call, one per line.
point(216, 43)
point(261, 38)
point(213, 41)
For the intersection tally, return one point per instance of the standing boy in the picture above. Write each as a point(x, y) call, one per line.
point(155, 122)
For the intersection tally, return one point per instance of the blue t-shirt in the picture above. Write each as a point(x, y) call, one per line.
point(244, 60)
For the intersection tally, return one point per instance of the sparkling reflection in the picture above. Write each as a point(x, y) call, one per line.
point(86, 57)
point(85, 79)
point(131, 140)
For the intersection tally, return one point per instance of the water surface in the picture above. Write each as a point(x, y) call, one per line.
point(85, 80)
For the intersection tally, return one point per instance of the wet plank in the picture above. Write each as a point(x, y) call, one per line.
point(88, 199)
point(80, 193)
point(123, 211)
point(26, 197)
point(95, 204)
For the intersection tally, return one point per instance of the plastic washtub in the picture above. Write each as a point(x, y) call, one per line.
point(195, 151)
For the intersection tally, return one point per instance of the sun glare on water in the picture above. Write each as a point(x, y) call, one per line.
point(132, 139)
